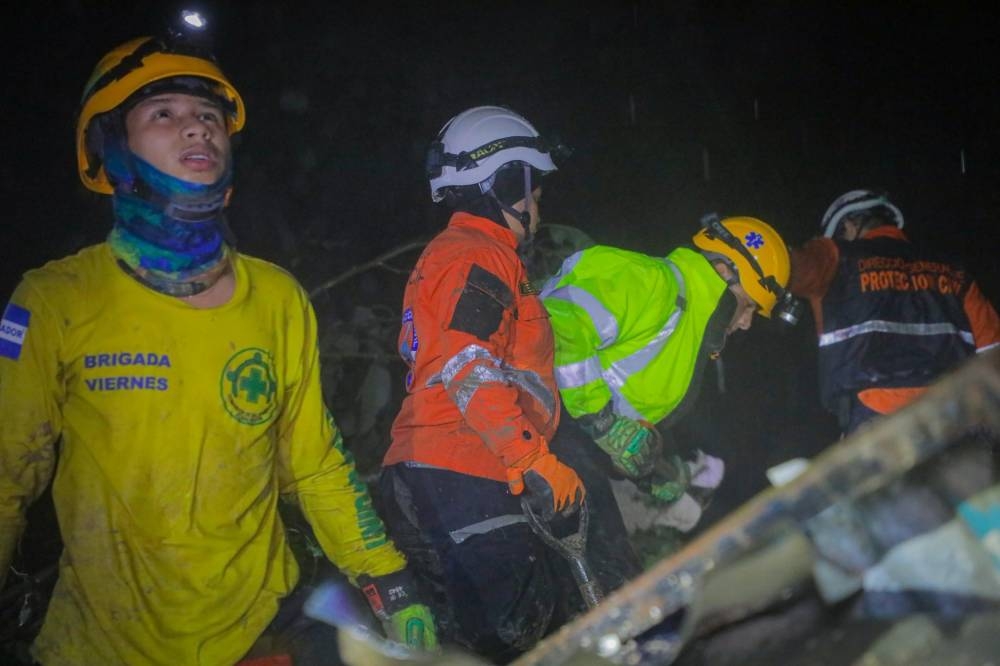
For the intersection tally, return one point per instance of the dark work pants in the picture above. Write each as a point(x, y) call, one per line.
point(494, 587)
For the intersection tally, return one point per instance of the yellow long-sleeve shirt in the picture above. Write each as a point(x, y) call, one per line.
point(179, 429)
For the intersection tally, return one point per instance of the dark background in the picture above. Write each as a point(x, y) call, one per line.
point(673, 109)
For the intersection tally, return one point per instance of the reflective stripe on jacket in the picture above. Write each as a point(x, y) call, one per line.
point(887, 316)
point(630, 328)
point(481, 394)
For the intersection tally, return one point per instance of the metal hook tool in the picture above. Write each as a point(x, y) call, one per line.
point(573, 548)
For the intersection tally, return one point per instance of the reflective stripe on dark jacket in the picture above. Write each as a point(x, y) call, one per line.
point(888, 316)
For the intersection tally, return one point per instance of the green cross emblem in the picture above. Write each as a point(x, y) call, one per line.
point(249, 387)
point(255, 385)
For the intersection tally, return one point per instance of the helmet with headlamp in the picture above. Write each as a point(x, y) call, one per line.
point(759, 258)
point(176, 61)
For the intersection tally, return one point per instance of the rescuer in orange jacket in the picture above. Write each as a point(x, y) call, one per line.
point(485, 401)
point(482, 406)
point(482, 399)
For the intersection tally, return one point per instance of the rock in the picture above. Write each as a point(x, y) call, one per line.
point(913, 638)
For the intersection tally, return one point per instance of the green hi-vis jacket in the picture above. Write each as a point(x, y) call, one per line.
point(633, 329)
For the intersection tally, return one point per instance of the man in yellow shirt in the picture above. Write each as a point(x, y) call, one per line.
point(181, 380)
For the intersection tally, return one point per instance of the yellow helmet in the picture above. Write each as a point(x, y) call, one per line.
point(128, 69)
point(756, 251)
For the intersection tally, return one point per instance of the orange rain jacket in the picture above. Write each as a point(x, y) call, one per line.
point(816, 265)
point(481, 391)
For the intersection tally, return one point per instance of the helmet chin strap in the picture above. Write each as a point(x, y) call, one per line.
point(522, 216)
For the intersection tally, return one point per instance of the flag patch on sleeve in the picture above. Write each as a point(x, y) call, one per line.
point(13, 330)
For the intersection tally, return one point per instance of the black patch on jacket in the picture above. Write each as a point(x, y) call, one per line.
point(480, 308)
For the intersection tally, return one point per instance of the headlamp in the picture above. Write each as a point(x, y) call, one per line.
point(188, 34)
point(788, 308)
point(193, 19)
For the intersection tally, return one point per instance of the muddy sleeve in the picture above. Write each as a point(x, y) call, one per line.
point(482, 323)
point(316, 469)
point(31, 393)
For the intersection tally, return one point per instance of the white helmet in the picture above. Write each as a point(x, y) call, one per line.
point(856, 201)
point(473, 145)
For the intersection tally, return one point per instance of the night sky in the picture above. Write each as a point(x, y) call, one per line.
point(673, 109)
